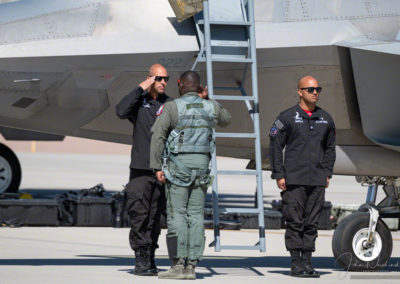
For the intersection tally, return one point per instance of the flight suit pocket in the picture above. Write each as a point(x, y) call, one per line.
point(134, 200)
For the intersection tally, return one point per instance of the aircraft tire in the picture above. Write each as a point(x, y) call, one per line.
point(10, 170)
point(347, 242)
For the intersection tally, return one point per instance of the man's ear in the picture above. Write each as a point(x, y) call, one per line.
point(299, 92)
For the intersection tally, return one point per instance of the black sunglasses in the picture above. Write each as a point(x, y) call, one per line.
point(311, 90)
point(160, 78)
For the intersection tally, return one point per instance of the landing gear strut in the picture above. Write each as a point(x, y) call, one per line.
point(362, 241)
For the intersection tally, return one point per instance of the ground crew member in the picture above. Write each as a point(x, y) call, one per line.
point(183, 132)
point(145, 195)
point(307, 133)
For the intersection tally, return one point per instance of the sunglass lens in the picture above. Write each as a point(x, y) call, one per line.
point(312, 89)
point(160, 78)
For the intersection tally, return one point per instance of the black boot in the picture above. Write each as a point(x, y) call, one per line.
point(297, 268)
point(142, 262)
point(306, 255)
point(153, 266)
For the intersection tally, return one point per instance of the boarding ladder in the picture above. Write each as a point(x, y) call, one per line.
point(226, 33)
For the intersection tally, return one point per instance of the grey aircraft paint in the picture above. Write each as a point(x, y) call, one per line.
point(64, 65)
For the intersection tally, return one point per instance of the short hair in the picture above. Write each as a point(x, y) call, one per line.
point(190, 78)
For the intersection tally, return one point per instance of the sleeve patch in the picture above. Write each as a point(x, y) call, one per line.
point(279, 124)
point(273, 131)
point(160, 110)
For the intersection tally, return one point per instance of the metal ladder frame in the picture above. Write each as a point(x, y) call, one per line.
point(205, 55)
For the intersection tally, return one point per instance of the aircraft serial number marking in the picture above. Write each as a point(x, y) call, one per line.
point(171, 62)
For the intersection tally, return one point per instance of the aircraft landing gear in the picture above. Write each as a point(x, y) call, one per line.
point(10, 170)
point(362, 241)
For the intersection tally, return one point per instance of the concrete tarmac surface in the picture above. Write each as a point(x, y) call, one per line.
point(102, 255)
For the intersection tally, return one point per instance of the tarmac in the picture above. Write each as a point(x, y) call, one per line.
point(102, 255)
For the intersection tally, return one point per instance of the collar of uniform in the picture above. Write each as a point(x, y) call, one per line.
point(160, 97)
point(189, 94)
point(302, 113)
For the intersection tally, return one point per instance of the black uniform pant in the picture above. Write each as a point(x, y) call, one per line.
point(145, 203)
point(302, 206)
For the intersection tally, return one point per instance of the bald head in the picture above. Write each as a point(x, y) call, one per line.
point(307, 81)
point(189, 82)
point(157, 70)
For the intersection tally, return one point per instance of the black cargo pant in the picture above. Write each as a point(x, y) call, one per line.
point(302, 206)
point(145, 203)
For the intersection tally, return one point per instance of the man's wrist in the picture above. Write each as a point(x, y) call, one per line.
point(140, 90)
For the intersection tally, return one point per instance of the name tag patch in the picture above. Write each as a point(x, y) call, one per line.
point(321, 120)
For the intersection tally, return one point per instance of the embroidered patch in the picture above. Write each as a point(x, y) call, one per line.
point(160, 110)
point(298, 118)
point(279, 124)
point(273, 131)
point(145, 103)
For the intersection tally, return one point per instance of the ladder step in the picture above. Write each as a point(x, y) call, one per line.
point(228, 23)
point(227, 58)
point(241, 247)
point(247, 173)
point(229, 43)
point(240, 210)
point(234, 135)
point(233, 98)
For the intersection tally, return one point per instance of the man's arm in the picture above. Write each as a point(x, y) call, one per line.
point(163, 125)
point(223, 117)
point(129, 105)
point(330, 153)
point(278, 137)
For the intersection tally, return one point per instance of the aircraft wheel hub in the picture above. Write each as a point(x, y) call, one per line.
point(5, 174)
point(362, 250)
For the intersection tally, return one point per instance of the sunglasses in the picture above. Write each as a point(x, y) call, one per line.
point(311, 90)
point(160, 78)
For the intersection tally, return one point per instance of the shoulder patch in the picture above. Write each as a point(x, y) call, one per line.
point(160, 110)
point(273, 131)
point(279, 124)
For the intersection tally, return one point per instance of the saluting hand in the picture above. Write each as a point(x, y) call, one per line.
point(203, 92)
point(147, 83)
point(160, 176)
point(281, 182)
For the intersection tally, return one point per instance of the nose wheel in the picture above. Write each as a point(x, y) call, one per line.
point(10, 170)
point(356, 250)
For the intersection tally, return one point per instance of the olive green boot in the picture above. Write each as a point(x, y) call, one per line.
point(176, 271)
point(189, 272)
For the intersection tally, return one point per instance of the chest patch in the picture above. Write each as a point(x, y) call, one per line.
point(160, 110)
point(321, 120)
point(298, 118)
point(145, 103)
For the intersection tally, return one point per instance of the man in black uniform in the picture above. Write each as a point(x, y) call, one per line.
point(146, 197)
point(307, 133)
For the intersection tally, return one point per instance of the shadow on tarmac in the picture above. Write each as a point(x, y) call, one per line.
point(209, 262)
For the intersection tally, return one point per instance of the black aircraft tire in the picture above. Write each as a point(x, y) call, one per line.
point(348, 237)
point(10, 170)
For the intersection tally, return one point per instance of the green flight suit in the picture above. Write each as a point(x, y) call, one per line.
point(185, 204)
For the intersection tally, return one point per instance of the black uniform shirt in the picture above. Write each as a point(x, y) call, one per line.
point(140, 108)
point(309, 144)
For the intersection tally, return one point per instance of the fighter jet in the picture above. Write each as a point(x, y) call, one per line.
point(64, 65)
